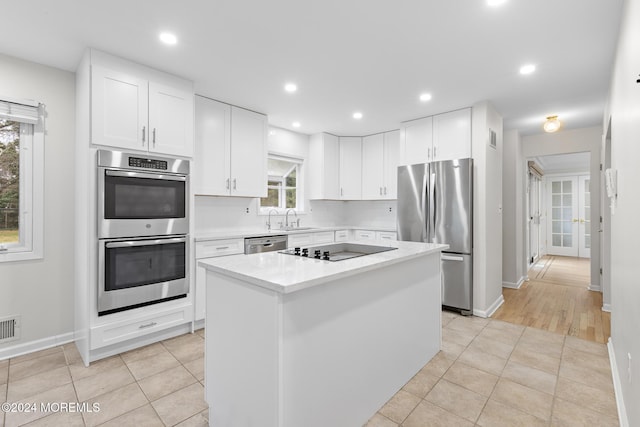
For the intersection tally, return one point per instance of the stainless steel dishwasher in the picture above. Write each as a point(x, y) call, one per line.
point(256, 245)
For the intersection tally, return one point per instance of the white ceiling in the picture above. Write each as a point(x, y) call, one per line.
point(559, 163)
point(375, 56)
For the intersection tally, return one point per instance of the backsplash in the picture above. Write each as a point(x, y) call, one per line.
point(217, 213)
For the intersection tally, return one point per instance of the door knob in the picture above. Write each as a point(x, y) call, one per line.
point(574, 220)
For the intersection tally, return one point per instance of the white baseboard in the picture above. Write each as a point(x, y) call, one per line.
point(596, 288)
point(492, 308)
point(512, 285)
point(617, 386)
point(37, 345)
point(606, 307)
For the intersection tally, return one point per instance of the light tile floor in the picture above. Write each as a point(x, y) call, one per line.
point(493, 373)
point(489, 373)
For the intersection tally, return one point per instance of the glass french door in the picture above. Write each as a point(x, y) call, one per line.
point(569, 231)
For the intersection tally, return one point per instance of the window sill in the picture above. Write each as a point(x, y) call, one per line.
point(16, 255)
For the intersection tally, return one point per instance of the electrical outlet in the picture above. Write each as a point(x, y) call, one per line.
point(629, 368)
point(247, 210)
point(390, 209)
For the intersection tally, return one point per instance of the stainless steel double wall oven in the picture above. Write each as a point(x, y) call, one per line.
point(143, 226)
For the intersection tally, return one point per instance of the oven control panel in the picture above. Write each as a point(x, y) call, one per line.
point(138, 162)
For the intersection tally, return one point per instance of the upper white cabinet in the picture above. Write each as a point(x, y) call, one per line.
point(441, 137)
point(324, 166)
point(380, 159)
point(452, 135)
point(351, 168)
point(137, 108)
point(230, 150)
point(416, 141)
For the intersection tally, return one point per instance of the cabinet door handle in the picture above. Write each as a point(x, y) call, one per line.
point(381, 191)
point(144, 134)
point(429, 153)
point(341, 191)
point(227, 183)
point(235, 187)
point(385, 191)
point(154, 137)
point(148, 325)
point(221, 248)
point(434, 152)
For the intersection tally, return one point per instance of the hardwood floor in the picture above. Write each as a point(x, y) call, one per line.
point(556, 299)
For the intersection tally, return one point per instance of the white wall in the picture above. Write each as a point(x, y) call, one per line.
point(513, 212)
point(573, 141)
point(625, 233)
point(487, 207)
point(41, 291)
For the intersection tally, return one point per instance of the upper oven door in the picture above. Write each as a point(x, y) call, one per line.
point(132, 203)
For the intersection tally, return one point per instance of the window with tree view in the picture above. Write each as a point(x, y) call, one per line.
point(9, 181)
point(283, 184)
point(21, 181)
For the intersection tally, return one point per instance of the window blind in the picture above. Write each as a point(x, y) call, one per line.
point(19, 112)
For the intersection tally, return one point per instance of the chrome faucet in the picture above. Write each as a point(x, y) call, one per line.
point(269, 219)
point(286, 217)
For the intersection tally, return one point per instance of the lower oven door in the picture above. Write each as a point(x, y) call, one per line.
point(137, 272)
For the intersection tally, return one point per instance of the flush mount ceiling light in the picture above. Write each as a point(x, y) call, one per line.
point(168, 38)
point(290, 87)
point(552, 124)
point(527, 69)
point(425, 97)
point(357, 115)
point(295, 124)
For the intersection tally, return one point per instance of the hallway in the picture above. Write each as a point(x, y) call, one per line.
point(556, 299)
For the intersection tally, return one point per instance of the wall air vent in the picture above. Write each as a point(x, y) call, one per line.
point(9, 329)
point(493, 140)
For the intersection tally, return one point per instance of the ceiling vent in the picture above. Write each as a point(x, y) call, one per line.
point(9, 329)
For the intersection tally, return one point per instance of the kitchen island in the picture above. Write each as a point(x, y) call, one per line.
point(293, 341)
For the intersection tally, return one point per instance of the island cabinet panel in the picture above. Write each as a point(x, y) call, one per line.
point(325, 355)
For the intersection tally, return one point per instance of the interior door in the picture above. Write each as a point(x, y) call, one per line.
point(534, 218)
point(584, 216)
point(563, 203)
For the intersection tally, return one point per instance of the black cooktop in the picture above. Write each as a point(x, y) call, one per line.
point(337, 251)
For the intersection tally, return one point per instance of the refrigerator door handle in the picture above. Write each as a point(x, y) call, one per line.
point(451, 258)
point(433, 207)
point(425, 213)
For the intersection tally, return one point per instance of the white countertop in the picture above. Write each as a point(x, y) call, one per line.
point(241, 233)
point(287, 273)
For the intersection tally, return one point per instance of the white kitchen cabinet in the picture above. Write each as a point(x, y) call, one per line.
point(342, 235)
point(351, 168)
point(452, 135)
point(416, 141)
point(130, 110)
point(380, 159)
point(306, 239)
point(230, 150)
point(375, 235)
point(364, 235)
point(324, 163)
point(444, 136)
point(210, 249)
point(386, 235)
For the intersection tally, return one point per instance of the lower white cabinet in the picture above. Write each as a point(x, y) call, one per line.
point(211, 249)
point(119, 331)
point(342, 235)
point(306, 239)
point(375, 235)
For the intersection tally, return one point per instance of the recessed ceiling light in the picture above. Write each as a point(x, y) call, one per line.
point(357, 115)
point(168, 38)
point(290, 87)
point(527, 69)
point(295, 124)
point(494, 3)
point(425, 97)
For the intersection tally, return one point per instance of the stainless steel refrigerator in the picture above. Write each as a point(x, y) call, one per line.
point(435, 205)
